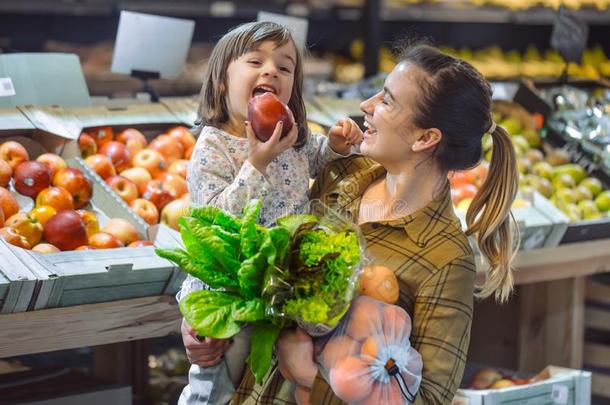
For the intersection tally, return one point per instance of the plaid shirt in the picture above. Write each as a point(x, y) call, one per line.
point(435, 267)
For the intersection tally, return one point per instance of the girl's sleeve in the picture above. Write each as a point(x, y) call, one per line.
point(319, 153)
point(212, 179)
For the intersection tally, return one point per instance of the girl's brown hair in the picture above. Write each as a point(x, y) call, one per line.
point(457, 100)
point(213, 108)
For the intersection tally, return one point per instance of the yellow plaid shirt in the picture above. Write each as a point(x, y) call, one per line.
point(435, 267)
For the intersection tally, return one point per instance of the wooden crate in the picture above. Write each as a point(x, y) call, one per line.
point(596, 355)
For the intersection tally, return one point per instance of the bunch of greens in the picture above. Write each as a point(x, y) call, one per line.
point(268, 277)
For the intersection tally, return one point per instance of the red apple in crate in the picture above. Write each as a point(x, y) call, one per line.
point(101, 164)
point(43, 213)
point(125, 188)
point(189, 152)
point(101, 135)
point(140, 243)
point(14, 153)
point(179, 167)
point(45, 248)
point(86, 247)
point(122, 229)
point(175, 184)
point(139, 175)
point(145, 210)
point(6, 173)
point(1, 218)
point(75, 182)
point(25, 226)
point(170, 149)
point(151, 160)
point(118, 154)
point(174, 211)
point(103, 240)
point(11, 236)
point(31, 178)
point(264, 112)
point(53, 161)
point(157, 194)
point(66, 230)
point(92, 224)
point(8, 203)
point(182, 135)
point(133, 139)
point(87, 145)
point(58, 198)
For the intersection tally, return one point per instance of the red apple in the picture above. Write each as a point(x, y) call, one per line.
point(92, 224)
point(174, 211)
point(101, 135)
point(118, 154)
point(133, 139)
point(139, 176)
point(6, 173)
point(11, 236)
point(189, 152)
point(45, 248)
point(157, 194)
point(140, 243)
point(31, 178)
point(122, 229)
point(75, 182)
point(8, 203)
point(169, 148)
point(2, 217)
point(179, 167)
point(66, 230)
point(175, 184)
point(182, 135)
point(14, 153)
point(25, 226)
point(145, 210)
point(55, 197)
point(101, 165)
point(86, 247)
point(87, 145)
point(53, 161)
point(125, 188)
point(103, 240)
point(150, 160)
point(264, 112)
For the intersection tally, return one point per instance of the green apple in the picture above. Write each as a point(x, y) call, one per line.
point(593, 184)
point(572, 211)
point(589, 210)
point(563, 196)
point(533, 137)
point(511, 125)
point(581, 193)
point(543, 169)
point(521, 144)
point(575, 171)
point(534, 155)
point(523, 165)
point(563, 181)
point(603, 201)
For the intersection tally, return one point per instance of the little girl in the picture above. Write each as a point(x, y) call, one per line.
point(230, 166)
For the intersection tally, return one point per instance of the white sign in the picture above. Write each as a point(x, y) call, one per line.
point(559, 394)
point(6, 87)
point(150, 43)
point(297, 25)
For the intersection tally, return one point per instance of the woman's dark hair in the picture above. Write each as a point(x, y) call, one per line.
point(456, 99)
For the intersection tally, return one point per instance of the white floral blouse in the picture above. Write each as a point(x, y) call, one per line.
point(219, 174)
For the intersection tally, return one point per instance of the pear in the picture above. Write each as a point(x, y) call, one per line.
point(558, 157)
point(534, 155)
point(603, 201)
point(511, 125)
point(563, 180)
point(575, 171)
point(543, 169)
point(589, 210)
point(593, 184)
point(533, 137)
point(581, 193)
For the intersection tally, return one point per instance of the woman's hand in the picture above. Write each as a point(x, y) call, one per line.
point(260, 154)
point(294, 349)
point(343, 135)
point(204, 353)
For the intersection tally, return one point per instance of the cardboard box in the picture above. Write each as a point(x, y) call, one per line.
point(562, 386)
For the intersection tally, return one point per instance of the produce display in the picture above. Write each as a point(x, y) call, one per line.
point(149, 177)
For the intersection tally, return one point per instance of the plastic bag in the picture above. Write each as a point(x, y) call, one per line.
point(369, 359)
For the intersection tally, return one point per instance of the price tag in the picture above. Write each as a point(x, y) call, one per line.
point(297, 25)
point(6, 87)
point(559, 394)
point(569, 36)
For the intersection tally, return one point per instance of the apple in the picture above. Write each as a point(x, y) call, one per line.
point(118, 154)
point(92, 224)
point(86, 247)
point(31, 178)
point(11, 236)
point(101, 135)
point(150, 160)
point(182, 135)
point(189, 152)
point(103, 240)
point(42, 213)
point(55, 197)
point(87, 145)
point(179, 167)
point(6, 173)
point(169, 148)
point(14, 153)
point(25, 226)
point(175, 184)
point(133, 139)
point(45, 248)
point(53, 161)
point(140, 243)
point(101, 164)
point(139, 176)
point(125, 188)
point(264, 112)
point(8, 203)
point(66, 230)
point(175, 210)
point(122, 229)
point(145, 210)
point(157, 194)
point(75, 182)
point(1, 218)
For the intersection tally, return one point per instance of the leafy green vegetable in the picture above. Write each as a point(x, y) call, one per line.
point(209, 313)
point(250, 239)
point(263, 338)
point(292, 223)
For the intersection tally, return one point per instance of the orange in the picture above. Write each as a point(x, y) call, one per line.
point(370, 347)
point(364, 318)
point(337, 349)
point(350, 379)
